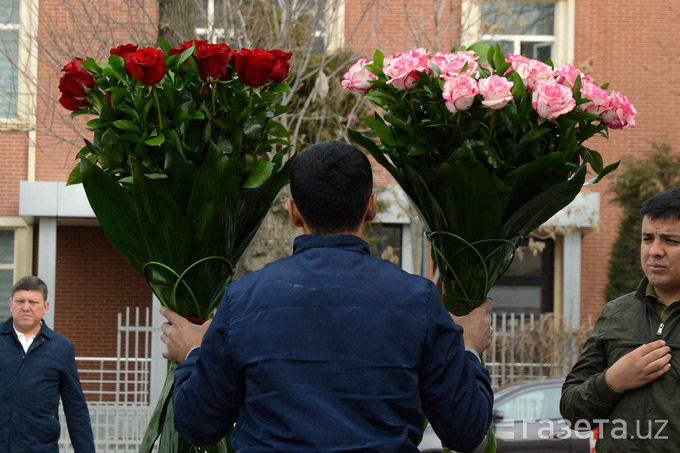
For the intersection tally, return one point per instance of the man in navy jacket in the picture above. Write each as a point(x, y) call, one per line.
point(330, 349)
point(37, 367)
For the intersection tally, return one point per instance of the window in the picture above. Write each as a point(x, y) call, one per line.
point(385, 241)
point(540, 29)
point(526, 28)
point(6, 271)
point(527, 286)
point(9, 57)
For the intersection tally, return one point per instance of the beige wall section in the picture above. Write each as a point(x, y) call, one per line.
point(335, 25)
point(558, 278)
point(23, 245)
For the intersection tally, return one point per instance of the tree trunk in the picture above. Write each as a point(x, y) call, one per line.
point(274, 239)
point(176, 20)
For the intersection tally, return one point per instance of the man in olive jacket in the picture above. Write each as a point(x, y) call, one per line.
point(626, 381)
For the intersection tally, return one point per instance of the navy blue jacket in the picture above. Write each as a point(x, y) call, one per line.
point(331, 350)
point(30, 386)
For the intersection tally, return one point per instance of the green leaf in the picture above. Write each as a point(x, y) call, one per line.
point(184, 56)
point(156, 176)
point(164, 45)
point(91, 65)
point(164, 230)
point(276, 129)
point(532, 135)
point(279, 88)
point(259, 175)
point(158, 417)
point(605, 171)
point(97, 123)
point(116, 212)
point(191, 115)
point(282, 109)
point(127, 126)
point(594, 159)
point(372, 148)
point(378, 58)
point(398, 122)
point(382, 130)
point(253, 206)
point(74, 177)
point(157, 140)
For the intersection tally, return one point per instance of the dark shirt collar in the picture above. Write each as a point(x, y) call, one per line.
point(348, 242)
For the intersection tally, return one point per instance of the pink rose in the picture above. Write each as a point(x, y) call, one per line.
point(567, 74)
point(551, 99)
point(531, 71)
point(621, 114)
point(357, 79)
point(401, 68)
point(451, 64)
point(459, 92)
point(599, 98)
point(496, 91)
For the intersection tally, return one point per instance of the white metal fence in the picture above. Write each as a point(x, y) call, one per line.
point(529, 346)
point(525, 346)
point(117, 388)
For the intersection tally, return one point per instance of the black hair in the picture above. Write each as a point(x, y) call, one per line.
point(664, 205)
point(331, 183)
point(30, 283)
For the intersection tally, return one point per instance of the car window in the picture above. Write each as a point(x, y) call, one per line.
point(533, 405)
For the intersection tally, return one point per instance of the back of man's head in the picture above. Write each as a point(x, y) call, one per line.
point(30, 283)
point(665, 205)
point(331, 183)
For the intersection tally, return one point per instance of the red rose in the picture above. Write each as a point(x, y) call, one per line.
point(72, 85)
point(186, 44)
point(148, 65)
point(212, 59)
point(124, 51)
point(280, 74)
point(257, 67)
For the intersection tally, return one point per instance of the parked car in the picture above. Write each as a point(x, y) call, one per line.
point(526, 418)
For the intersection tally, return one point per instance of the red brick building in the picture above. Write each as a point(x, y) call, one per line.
point(47, 229)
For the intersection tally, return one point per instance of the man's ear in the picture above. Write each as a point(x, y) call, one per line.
point(372, 208)
point(294, 214)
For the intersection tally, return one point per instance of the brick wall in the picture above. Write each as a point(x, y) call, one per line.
point(631, 45)
point(13, 159)
point(94, 284)
point(395, 26)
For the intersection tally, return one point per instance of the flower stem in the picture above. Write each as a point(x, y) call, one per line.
point(214, 97)
point(158, 108)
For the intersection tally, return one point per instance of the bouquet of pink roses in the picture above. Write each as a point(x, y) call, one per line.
point(487, 148)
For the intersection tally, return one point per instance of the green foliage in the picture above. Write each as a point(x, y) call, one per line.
point(639, 180)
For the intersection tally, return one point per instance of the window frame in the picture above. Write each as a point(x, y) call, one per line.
point(564, 27)
point(27, 68)
point(22, 263)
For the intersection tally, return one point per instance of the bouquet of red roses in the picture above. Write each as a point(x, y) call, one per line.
point(185, 160)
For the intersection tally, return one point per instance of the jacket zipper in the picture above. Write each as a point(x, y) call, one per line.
point(660, 330)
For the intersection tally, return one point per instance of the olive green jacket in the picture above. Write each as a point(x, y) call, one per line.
point(646, 419)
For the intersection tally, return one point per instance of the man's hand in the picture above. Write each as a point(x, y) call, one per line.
point(477, 327)
point(180, 335)
point(640, 366)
